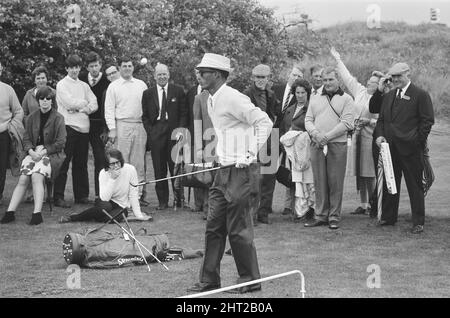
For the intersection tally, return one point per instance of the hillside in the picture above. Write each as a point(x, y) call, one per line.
point(426, 48)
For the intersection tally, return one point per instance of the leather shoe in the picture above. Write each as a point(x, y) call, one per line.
point(82, 201)
point(417, 229)
point(263, 219)
point(245, 289)
point(8, 217)
point(384, 223)
point(202, 287)
point(286, 211)
point(62, 204)
point(359, 210)
point(314, 223)
point(334, 225)
point(162, 206)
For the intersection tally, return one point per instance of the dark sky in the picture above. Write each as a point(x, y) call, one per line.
point(329, 12)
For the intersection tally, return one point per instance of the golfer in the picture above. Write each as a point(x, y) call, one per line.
point(116, 193)
point(235, 120)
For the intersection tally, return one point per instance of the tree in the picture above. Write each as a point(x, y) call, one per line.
point(174, 32)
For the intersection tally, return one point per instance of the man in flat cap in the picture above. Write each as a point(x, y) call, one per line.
point(264, 98)
point(241, 130)
point(406, 118)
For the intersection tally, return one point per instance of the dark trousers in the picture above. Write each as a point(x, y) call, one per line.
point(229, 214)
point(373, 200)
point(267, 181)
point(411, 167)
point(95, 213)
point(77, 145)
point(161, 148)
point(4, 154)
point(98, 150)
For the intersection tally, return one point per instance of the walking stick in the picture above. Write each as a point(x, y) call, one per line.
point(140, 250)
point(133, 237)
point(380, 176)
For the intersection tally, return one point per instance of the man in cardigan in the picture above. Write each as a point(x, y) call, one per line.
point(75, 102)
point(241, 129)
point(329, 117)
point(264, 98)
point(97, 131)
point(10, 109)
point(406, 118)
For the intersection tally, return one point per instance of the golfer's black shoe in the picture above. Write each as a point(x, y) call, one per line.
point(62, 204)
point(314, 223)
point(334, 225)
point(8, 217)
point(385, 223)
point(245, 289)
point(202, 287)
point(417, 229)
point(36, 218)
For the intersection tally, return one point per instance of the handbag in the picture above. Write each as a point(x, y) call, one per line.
point(284, 174)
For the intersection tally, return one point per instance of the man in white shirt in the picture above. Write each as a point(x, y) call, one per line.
point(316, 79)
point(123, 116)
point(75, 102)
point(242, 129)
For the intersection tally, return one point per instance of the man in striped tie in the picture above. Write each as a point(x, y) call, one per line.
point(283, 94)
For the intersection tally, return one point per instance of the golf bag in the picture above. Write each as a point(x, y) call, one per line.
point(106, 249)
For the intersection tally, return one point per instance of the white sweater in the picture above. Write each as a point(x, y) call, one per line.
point(119, 190)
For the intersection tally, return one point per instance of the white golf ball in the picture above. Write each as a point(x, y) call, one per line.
point(143, 61)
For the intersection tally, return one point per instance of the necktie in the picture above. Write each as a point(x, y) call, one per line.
point(163, 106)
point(286, 102)
point(396, 100)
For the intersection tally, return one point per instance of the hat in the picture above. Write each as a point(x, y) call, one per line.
point(215, 61)
point(261, 70)
point(398, 68)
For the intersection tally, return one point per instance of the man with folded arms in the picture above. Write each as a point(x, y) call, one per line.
point(235, 120)
point(405, 120)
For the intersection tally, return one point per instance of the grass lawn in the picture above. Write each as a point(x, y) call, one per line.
point(334, 263)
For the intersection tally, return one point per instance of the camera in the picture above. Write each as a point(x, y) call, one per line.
point(388, 80)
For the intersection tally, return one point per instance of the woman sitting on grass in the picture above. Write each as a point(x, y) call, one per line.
point(44, 141)
point(116, 192)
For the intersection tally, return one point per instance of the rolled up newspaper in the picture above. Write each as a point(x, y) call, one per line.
point(388, 168)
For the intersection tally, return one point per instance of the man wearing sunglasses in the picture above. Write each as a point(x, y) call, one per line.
point(10, 111)
point(242, 128)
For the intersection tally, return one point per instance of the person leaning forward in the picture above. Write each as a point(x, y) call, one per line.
point(236, 119)
point(405, 120)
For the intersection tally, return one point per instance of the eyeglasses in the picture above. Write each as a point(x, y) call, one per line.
point(114, 72)
point(114, 163)
point(260, 76)
point(201, 72)
point(46, 98)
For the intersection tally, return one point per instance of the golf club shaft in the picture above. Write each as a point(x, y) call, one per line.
point(184, 175)
point(132, 236)
point(140, 250)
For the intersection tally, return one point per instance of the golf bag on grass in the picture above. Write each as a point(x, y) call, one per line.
point(107, 249)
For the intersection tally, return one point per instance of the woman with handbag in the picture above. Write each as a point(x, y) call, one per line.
point(296, 148)
point(44, 140)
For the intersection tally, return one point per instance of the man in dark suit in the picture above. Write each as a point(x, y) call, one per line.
point(286, 98)
point(97, 130)
point(164, 109)
point(264, 98)
point(406, 118)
